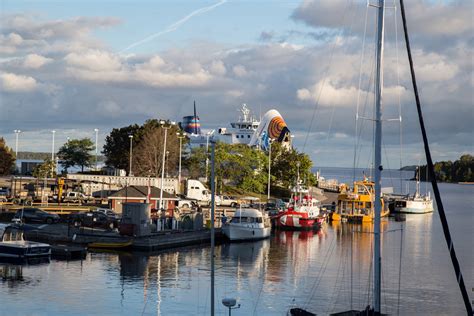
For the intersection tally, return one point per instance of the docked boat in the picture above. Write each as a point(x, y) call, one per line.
point(301, 215)
point(357, 205)
point(247, 224)
point(111, 245)
point(414, 204)
point(13, 245)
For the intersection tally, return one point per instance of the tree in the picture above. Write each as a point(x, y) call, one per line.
point(285, 169)
point(117, 146)
point(7, 158)
point(195, 162)
point(148, 153)
point(45, 170)
point(76, 152)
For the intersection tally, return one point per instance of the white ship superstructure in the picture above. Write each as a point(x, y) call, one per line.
point(240, 132)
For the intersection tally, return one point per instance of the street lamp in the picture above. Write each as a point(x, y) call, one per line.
point(166, 125)
point(52, 154)
point(230, 303)
point(270, 141)
point(96, 130)
point(130, 160)
point(180, 135)
point(208, 134)
point(17, 132)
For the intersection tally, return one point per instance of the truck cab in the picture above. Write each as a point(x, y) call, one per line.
point(197, 191)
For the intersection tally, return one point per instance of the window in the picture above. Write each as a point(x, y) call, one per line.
point(248, 136)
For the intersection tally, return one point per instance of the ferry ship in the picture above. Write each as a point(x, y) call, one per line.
point(242, 130)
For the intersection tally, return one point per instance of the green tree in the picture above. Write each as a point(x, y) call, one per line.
point(45, 170)
point(7, 158)
point(195, 162)
point(117, 145)
point(77, 152)
point(285, 167)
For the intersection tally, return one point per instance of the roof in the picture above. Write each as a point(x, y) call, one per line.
point(141, 191)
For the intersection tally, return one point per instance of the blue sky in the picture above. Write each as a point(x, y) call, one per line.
point(232, 23)
point(63, 66)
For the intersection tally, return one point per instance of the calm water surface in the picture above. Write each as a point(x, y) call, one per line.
point(311, 270)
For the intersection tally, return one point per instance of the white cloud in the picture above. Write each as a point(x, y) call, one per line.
point(217, 68)
point(94, 60)
point(434, 67)
point(239, 71)
point(11, 82)
point(35, 61)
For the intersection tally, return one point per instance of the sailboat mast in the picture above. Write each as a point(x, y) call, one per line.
point(378, 154)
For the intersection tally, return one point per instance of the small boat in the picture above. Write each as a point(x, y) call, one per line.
point(13, 245)
point(301, 215)
point(247, 224)
point(110, 245)
point(357, 205)
point(414, 204)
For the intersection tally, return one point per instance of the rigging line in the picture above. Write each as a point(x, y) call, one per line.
point(358, 95)
point(334, 289)
point(434, 184)
point(400, 269)
point(369, 285)
point(365, 109)
point(398, 94)
point(261, 288)
point(316, 105)
point(327, 258)
point(352, 263)
point(388, 163)
point(334, 104)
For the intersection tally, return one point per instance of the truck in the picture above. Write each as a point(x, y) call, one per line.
point(76, 197)
point(195, 190)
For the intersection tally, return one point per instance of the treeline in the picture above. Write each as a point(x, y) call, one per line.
point(461, 170)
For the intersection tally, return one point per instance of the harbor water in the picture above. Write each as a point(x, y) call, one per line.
point(323, 272)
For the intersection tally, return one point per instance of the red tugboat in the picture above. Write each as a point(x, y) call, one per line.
point(301, 215)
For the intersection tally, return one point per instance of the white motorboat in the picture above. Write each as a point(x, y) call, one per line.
point(13, 245)
point(247, 224)
point(414, 204)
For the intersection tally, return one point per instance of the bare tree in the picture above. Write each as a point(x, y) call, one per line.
point(148, 154)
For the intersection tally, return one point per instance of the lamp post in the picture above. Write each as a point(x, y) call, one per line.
point(208, 134)
point(130, 159)
point(165, 125)
point(17, 132)
point(96, 130)
point(269, 165)
point(180, 135)
point(52, 154)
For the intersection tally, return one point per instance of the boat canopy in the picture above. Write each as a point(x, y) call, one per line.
point(248, 212)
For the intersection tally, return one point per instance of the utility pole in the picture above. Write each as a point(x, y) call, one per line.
point(130, 159)
point(96, 130)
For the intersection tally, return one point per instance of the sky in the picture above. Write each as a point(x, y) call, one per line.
point(74, 66)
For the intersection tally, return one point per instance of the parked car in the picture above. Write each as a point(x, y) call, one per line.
point(184, 202)
point(35, 215)
point(227, 200)
point(110, 213)
point(76, 197)
point(93, 219)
